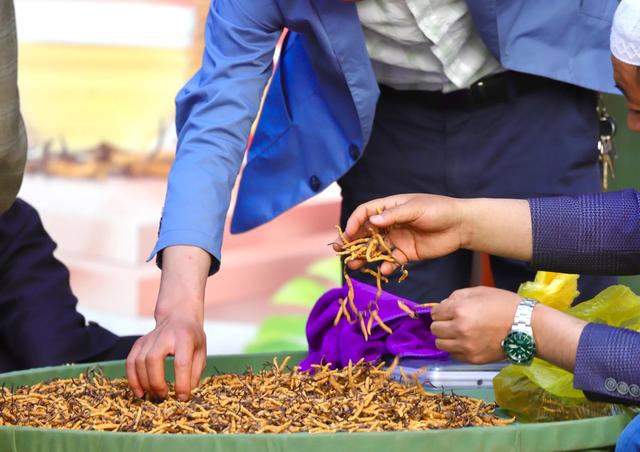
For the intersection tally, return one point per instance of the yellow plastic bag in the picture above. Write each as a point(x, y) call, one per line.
point(542, 391)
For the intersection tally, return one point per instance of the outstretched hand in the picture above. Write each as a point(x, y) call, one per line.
point(179, 328)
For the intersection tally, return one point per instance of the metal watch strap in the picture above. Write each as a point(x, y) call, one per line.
point(522, 319)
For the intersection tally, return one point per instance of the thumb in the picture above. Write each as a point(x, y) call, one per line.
point(401, 214)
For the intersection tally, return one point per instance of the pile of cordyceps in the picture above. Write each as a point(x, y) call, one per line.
point(358, 398)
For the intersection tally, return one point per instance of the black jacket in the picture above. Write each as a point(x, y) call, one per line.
point(39, 324)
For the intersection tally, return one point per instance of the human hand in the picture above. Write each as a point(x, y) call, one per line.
point(418, 226)
point(472, 323)
point(179, 335)
point(179, 328)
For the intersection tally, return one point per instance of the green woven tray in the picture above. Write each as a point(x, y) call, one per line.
point(591, 434)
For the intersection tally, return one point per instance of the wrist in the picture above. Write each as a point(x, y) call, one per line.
point(557, 335)
point(468, 209)
point(184, 307)
point(183, 283)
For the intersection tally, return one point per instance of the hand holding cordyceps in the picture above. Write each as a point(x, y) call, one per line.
point(417, 226)
point(420, 226)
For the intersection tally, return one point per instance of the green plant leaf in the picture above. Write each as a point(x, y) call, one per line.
point(300, 291)
point(329, 269)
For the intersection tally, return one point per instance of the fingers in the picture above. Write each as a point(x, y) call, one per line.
point(360, 217)
point(141, 364)
point(450, 345)
point(399, 214)
point(199, 365)
point(444, 329)
point(443, 311)
point(453, 306)
point(132, 374)
point(356, 264)
point(154, 361)
point(183, 366)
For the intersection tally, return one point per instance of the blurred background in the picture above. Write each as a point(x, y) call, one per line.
point(97, 82)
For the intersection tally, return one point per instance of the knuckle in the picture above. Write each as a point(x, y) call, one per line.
point(130, 365)
point(180, 363)
point(153, 357)
point(139, 361)
point(457, 310)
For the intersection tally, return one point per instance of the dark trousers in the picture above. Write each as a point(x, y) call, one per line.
point(39, 324)
point(543, 143)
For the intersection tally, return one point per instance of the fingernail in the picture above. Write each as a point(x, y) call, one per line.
point(376, 219)
point(183, 397)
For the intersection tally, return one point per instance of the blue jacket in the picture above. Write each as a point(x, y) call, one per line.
point(319, 110)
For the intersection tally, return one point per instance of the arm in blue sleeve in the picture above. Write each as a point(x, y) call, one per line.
point(596, 234)
point(607, 365)
point(214, 113)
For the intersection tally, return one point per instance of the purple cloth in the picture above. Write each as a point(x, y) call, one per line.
point(595, 234)
point(345, 342)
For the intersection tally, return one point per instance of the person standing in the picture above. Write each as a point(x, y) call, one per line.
point(13, 139)
point(592, 234)
point(445, 96)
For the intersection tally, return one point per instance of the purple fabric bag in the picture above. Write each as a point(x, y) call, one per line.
point(340, 344)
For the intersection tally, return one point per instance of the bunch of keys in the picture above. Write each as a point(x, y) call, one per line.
point(606, 148)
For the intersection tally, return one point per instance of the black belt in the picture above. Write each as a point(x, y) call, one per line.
point(490, 90)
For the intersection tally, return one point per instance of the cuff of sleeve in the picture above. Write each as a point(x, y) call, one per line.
point(187, 238)
point(585, 374)
point(605, 369)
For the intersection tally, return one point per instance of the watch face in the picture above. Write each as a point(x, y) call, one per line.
point(519, 347)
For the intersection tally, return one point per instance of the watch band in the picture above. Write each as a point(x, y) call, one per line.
point(524, 313)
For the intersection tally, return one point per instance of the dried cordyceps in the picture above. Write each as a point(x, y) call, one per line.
point(370, 249)
point(358, 398)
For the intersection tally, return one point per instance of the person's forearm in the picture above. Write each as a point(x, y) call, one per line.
point(184, 278)
point(497, 226)
point(557, 336)
point(588, 234)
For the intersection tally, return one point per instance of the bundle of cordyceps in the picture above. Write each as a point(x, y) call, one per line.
point(372, 249)
point(358, 398)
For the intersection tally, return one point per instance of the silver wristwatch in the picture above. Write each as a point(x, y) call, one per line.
point(519, 346)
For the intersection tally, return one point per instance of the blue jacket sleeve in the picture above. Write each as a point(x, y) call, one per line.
point(607, 364)
point(595, 234)
point(214, 113)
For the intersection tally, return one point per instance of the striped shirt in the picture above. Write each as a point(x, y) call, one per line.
point(13, 141)
point(424, 44)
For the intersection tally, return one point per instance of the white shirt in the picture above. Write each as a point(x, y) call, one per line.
point(424, 44)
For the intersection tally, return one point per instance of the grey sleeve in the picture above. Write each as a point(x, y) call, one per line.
point(13, 140)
